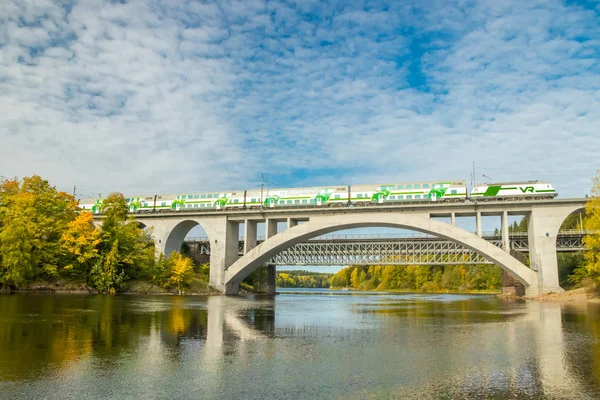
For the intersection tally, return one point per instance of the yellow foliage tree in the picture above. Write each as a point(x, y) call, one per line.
point(181, 270)
point(591, 241)
point(33, 216)
point(80, 241)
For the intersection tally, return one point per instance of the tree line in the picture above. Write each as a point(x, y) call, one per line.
point(44, 236)
point(422, 278)
point(302, 279)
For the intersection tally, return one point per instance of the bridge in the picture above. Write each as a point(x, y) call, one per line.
point(228, 269)
point(393, 249)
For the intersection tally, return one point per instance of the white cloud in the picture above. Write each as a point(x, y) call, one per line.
point(160, 97)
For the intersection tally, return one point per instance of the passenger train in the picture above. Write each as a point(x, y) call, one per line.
point(332, 196)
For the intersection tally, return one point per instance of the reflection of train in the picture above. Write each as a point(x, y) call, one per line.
point(330, 196)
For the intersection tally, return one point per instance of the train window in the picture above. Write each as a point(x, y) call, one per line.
point(313, 201)
point(195, 205)
point(209, 196)
point(281, 201)
point(392, 197)
point(417, 196)
point(426, 196)
point(190, 196)
point(417, 186)
point(401, 197)
point(163, 204)
point(453, 191)
point(296, 201)
point(359, 195)
point(409, 186)
point(216, 195)
point(426, 186)
point(127, 199)
point(409, 196)
point(236, 201)
point(400, 187)
point(304, 201)
point(202, 196)
point(289, 202)
point(337, 196)
point(196, 196)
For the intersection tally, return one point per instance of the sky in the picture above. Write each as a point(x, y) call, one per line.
point(178, 96)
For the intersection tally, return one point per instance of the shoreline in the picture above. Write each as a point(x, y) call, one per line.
point(573, 296)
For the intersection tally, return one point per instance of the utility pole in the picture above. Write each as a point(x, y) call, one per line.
point(262, 184)
point(74, 190)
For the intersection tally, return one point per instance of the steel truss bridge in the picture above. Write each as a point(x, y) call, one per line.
point(403, 249)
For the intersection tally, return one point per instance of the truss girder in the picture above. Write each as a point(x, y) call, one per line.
point(382, 253)
point(425, 251)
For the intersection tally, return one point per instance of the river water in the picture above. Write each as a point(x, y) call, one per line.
point(301, 345)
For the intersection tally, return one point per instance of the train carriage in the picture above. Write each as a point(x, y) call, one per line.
point(513, 190)
point(409, 191)
point(312, 196)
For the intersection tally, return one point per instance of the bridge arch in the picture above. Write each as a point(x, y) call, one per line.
point(177, 234)
point(327, 224)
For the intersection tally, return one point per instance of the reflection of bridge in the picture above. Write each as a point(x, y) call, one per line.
point(227, 269)
point(403, 249)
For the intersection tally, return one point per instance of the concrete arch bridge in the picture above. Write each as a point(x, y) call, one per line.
point(228, 269)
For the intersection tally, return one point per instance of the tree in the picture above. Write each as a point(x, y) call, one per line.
point(591, 265)
point(106, 276)
point(33, 216)
point(80, 242)
point(126, 250)
point(181, 270)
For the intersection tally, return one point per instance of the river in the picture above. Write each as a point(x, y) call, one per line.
point(301, 345)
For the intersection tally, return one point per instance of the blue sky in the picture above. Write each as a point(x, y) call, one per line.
point(171, 96)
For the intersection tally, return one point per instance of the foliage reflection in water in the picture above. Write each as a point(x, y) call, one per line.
point(299, 345)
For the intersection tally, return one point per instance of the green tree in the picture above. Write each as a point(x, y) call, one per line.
point(126, 250)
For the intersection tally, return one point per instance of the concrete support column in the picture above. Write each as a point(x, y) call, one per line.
point(223, 251)
point(270, 228)
point(270, 287)
point(543, 226)
point(453, 219)
point(505, 237)
point(291, 222)
point(249, 235)
point(478, 223)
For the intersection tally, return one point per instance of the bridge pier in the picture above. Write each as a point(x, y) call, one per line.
point(543, 226)
point(225, 239)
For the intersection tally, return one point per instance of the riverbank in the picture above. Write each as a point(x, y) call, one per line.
point(197, 288)
point(579, 295)
point(416, 291)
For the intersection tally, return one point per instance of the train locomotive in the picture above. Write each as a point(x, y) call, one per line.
point(333, 196)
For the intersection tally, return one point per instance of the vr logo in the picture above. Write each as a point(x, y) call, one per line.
point(526, 189)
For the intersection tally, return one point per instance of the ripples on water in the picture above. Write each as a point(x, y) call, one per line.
point(299, 345)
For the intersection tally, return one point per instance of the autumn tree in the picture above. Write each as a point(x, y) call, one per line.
point(591, 265)
point(80, 242)
point(33, 217)
point(181, 271)
point(126, 250)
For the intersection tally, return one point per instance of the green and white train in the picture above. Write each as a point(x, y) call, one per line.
point(331, 196)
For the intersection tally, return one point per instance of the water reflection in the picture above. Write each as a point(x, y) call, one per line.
point(297, 345)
